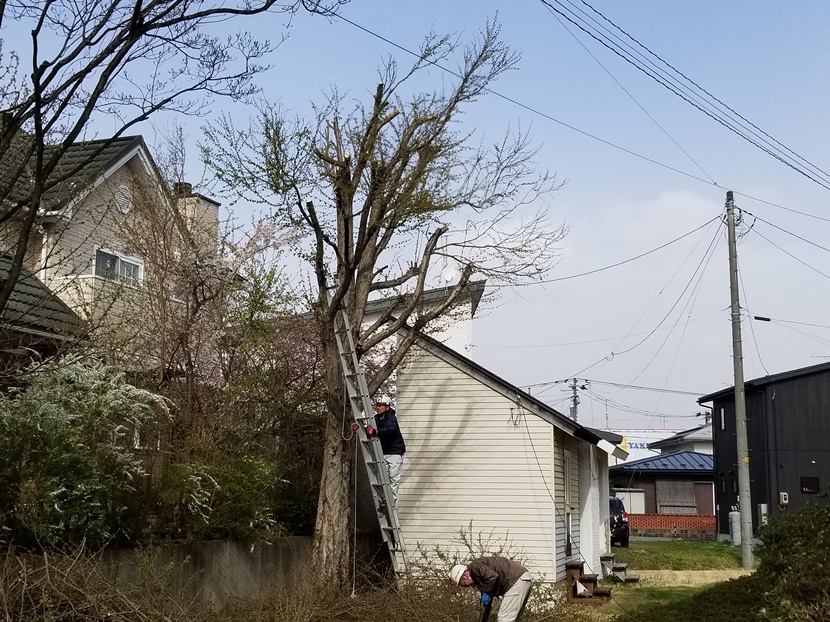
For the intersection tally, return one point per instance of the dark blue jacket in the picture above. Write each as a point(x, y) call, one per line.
point(389, 433)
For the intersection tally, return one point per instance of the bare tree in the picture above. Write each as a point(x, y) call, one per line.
point(125, 59)
point(384, 194)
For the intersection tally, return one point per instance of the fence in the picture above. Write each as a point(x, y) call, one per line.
point(689, 526)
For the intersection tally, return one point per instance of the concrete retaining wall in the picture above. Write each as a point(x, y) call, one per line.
point(213, 574)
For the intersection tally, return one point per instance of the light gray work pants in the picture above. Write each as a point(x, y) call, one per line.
point(515, 599)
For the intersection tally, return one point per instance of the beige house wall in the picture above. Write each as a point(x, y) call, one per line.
point(475, 455)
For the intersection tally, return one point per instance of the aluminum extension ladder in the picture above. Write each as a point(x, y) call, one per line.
point(361, 404)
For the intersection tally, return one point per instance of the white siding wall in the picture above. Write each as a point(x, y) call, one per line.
point(474, 455)
point(591, 497)
point(567, 510)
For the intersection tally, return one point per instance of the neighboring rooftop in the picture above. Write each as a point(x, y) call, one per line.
point(33, 309)
point(701, 433)
point(764, 380)
point(474, 290)
point(676, 463)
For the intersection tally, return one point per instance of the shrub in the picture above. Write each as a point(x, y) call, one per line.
point(794, 563)
point(67, 471)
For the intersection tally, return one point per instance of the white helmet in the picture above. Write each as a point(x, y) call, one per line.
point(457, 572)
point(383, 399)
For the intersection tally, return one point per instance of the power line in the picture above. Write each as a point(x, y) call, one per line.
point(682, 91)
point(789, 254)
point(704, 318)
point(639, 388)
point(544, 115)
point(620, 263)
point(700, 88)
point(634, 99)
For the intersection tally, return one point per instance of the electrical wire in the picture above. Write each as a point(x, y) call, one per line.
point(795, 235)
point(681, 90)
point(620, 263)
point(575, 129)
point(789, 254)
point(751, 325)
point(703, 90)
point(613, 353)
point(701, 319)
point(703, 262)
point(634, 99)
point(699, 272)
point(556, 508)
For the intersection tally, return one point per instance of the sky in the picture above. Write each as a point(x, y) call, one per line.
point(642, 168)
point(661, 322)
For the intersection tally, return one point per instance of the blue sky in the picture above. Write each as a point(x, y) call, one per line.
point(764, 59)
point(767, 60)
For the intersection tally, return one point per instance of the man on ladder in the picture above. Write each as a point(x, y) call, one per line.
point(391, 441)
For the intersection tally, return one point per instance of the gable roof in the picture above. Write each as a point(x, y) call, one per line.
point(604, 440)
point(700, 433)
point(96, 159)
point(34, 310)
point(102, 157)
point(765, 380)
point(473, 289)
point(676, 463)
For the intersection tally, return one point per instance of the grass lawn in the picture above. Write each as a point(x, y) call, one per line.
point(679, 555)
point(730, 601)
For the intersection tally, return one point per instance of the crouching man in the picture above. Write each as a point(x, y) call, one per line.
point(495, 577)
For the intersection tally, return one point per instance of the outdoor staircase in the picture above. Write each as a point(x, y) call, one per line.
point(617, 571)
point(584, 588)
point(365, 427)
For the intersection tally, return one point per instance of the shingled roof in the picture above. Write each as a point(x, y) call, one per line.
point(674, 463)
point(92, 158)
point(35, 310)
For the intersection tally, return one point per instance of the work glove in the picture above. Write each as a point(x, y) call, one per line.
point(484, 607)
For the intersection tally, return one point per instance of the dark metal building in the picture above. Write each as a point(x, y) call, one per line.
point(788, 430)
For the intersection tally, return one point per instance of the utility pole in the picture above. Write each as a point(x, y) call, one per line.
point(574, 399)
point(744, 501)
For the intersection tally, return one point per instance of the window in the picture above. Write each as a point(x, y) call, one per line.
point(116, 268)
point(809, 485)
point(721, 419)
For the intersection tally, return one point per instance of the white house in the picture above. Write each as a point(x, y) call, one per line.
point(481, 450)
point(697, 439)
point(454, 329)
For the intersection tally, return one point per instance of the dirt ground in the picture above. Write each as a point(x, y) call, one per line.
point(687, 577)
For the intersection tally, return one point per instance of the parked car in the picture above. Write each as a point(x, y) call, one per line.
point(620, 530)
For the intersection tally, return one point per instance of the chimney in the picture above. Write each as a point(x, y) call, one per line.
point(201, 214)
point(182, 189)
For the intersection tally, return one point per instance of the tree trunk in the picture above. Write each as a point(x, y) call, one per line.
point(330, 556)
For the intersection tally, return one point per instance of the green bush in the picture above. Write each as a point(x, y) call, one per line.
point(794, 563)
point(67, 471)
point(228, 497)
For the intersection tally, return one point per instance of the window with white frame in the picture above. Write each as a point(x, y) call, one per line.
point(117, 268)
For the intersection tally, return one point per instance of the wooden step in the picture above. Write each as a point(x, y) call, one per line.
point(589, 582)
point(600, 596)
point(619, 567)
point(632, 578)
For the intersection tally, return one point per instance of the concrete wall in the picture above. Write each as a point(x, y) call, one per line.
point(213, 574)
